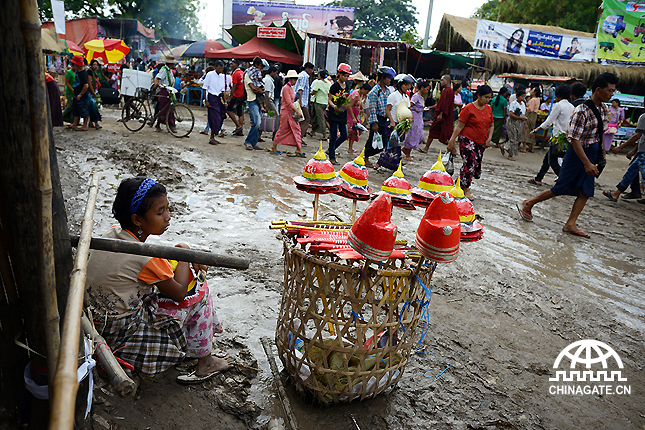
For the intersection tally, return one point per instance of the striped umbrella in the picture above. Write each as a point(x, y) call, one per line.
point(110, 50)
point(201, 47)
point(73, 47)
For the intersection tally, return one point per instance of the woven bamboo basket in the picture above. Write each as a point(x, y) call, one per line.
point(331, 315)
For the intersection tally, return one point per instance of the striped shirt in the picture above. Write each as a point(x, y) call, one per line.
point(583, 125)
point(377, 100)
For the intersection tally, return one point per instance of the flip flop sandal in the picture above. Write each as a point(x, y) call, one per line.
point(609, 196)
point(157, 130)
point(249, 148)
point(525, 215)
point(296, 154)
point(274, 152)
point(501, 149)
point(193, 378)
point(423, 151)
point(534, 182)
point(214, 142)
point(203, 132)
point(578, 233)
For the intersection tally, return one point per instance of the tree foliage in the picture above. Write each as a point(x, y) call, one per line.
point(172, 18)
point(411, 38)
point(580, 15)
point(381, 19)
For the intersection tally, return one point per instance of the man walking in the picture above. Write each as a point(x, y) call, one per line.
point(235, 109)
point(559, 119)
point(302, 90)
point(254, 94)
point(214, 84)
point(637, 164)
point(584, 155)
point(442, 125)
point(269, 96)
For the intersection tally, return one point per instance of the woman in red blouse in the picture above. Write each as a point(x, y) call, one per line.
point(474, 132)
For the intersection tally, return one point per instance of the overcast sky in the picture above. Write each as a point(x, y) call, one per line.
point(211, 17)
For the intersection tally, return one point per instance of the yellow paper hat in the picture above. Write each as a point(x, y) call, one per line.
point(464, 205)
point(397, 184)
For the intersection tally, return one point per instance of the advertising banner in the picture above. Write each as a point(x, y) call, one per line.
point(621, 33)
point(272, 33)
point(514, 39)
point(326, 20)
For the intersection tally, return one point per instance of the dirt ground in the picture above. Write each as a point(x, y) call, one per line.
point(500, 314)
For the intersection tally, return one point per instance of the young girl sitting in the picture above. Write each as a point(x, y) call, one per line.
point(149, 314)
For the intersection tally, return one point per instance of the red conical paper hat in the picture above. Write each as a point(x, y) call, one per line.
point(354, 176)
point(439, 232)
point(436, 179)
point(373, 234)
point(397, 185)
point(318, 172)
point(464, 205)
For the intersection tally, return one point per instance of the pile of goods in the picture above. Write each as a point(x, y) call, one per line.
point(353, 294)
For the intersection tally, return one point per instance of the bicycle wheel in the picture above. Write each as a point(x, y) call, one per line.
point(134, 114)
point(184, 120)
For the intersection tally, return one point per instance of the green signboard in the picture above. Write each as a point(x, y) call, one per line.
point(621, 33)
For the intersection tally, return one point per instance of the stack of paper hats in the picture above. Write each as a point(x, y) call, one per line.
point(373, 234)
point(399, 189)
point(354, 179)
point(439, 232)
point(318, 176)
point(471, 228)
point(431, 183)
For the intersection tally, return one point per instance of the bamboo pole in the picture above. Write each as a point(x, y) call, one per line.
point(122, 384)
point(169, 252)
point(38, 99)
point(316, 198)
point(282, 394)
point(65, 383)
point(353, 211)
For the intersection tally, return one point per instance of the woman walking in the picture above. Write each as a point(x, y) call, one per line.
point(391, 156)
point(289, 131)
point(337, 105)
point(474, 132)
point(94, 97)
point(500, 104)
point(165, 79)
point(532, 107)
point(515, 125)
point(354, 114)
point(414, 138)
point(616, 116)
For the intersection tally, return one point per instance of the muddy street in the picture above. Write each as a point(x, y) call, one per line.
point(500, 314)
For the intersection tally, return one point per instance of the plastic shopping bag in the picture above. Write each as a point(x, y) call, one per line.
point(377, 141)
point(448, 163)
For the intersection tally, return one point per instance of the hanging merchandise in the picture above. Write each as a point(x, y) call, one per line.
point(332, 56)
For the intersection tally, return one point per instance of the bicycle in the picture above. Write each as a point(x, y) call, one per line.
point(138, 111)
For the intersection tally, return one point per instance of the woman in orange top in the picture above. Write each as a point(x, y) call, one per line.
point(474, 132)
point(151, 314)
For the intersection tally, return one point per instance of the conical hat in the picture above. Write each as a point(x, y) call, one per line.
point(403, 111)
point(318, 172)
point(439, 232)
point(464, 205)
point(354, 177)
point(373, 233)
point(397, 185)
point(434, 181)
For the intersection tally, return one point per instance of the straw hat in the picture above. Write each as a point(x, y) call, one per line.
point(358, 76)
point(439, 232)
point(291, 74)
point(168, 59)
point(373, 234)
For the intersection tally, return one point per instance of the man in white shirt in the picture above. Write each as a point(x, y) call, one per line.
point(269, 96)
point(559, 119)
point(214, 84)
point(302, 88)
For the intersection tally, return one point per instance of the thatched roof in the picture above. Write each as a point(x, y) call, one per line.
point(457, 34)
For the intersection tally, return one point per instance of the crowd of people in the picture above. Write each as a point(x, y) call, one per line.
point(132, 295)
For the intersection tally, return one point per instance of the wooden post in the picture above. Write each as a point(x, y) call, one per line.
point(65, 382)
point(31, 32)
point(316, 207)
point(353, 211)
point(282, 394)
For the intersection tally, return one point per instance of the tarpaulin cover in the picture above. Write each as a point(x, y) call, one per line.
point(258, 48)
point(293, 41)
point(79, 31)
point(201, 47)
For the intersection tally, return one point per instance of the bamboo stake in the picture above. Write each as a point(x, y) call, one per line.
point(316, 207)
point(169, 252)
point(122, 384)
point(282, 394)
point(354, 211)
point(38, 99)
point(65, 382)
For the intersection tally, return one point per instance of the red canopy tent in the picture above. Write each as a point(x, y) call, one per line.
point(257, 48)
